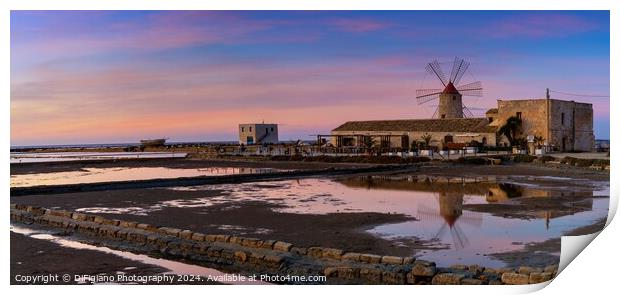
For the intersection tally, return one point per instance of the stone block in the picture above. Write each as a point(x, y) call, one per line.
point(235, 240)
point(408, 260)
point(420, 270)
point(370, 258)
point(128, 224)
point(392, 260)
point(222, 238)
point(394, 277)
point(425, 262)
point(551, 269)
point(448, 279)
point(526, 270)
point(169, 231)
point(198, 237)
point(250, 242)
point(268, 244)
point(273, 261)
point(186, 234)
point(371, 275)
point(241, 256)
point(351, 256)
point(539, 277)
point(147, 227)
point(332, 253)
point(282, 246)
point(512, 278)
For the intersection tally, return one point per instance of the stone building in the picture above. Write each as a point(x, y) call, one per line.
point(405, 133)
point(563, 125)
point(258, 133)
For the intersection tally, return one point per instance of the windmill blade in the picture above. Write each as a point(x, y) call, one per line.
point(436, 112)
point(471, 89)
point(459, 67)
point(467, 113)
point(441, 230)
point(435, 69)
point(426, 95)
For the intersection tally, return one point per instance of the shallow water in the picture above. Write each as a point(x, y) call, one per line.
point(18, 157)
point(457, 236)
point(94, 175)
point(467, 236)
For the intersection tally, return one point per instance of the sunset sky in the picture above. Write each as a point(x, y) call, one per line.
point(120, 76)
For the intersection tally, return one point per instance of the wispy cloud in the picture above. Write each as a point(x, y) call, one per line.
point(357, 25)
point(540, 25)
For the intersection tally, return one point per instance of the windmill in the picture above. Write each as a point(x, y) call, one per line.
point(451, 96)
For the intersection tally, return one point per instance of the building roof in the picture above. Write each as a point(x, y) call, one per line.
point(423, 125)
point(450, 89)
point(492, 111)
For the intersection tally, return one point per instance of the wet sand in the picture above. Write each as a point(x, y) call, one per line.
point(246, 218)
point(30, 256)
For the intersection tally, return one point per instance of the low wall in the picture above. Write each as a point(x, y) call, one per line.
point(255, 256)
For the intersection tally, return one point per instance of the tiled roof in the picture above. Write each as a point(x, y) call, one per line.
point(424, 125)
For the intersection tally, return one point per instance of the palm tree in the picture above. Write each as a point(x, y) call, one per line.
point(427, 139)
point(510, 129)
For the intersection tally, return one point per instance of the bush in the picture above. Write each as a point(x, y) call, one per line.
point(584, 162)
point(472, 160)
point(546, 159)
point(523, 158)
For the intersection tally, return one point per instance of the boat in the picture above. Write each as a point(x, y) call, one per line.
point(153, 142)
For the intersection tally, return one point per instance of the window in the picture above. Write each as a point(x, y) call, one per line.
point(266, 130)
point(443, 116)
point(271, 129)
point(242, 129)
point(490, 119)
point(562, 118)
point(519, 115)
point(454, 97)
point(250, 129)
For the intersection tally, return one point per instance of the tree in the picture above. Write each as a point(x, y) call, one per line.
point(427, 139)
point(369, 142)
point(511, 129)
point(538, 141)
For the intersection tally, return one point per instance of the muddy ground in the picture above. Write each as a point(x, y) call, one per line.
point(246, 218)
point(30, 256)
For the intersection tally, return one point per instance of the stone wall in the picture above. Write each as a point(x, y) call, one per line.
point(254, 256)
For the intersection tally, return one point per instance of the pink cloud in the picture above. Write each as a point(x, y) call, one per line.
point(357, 25)
point(540, 25)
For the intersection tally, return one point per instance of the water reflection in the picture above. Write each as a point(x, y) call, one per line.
point(454, 233)
point(94, 175)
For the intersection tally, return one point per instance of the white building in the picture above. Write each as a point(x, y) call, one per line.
point(258, 133)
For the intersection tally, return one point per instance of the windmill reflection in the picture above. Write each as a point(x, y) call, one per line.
point(451, 213)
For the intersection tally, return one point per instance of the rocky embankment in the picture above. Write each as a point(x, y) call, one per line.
point(255, 256)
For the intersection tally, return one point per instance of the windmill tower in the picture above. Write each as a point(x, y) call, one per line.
point(450, 211)
point(451, 96)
